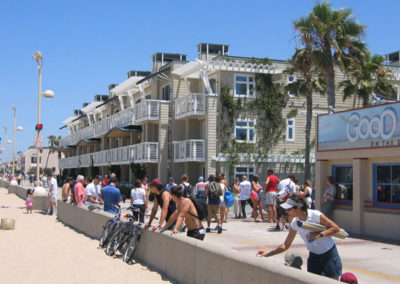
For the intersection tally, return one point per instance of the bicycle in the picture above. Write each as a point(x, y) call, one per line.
point(109, 227)
point(133, 241)
point(121, 239)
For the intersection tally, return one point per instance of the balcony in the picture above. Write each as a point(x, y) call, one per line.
point(142, 153)
point(148, 110)
point(120, 119)
point(75, 137)
point(189, 151)
point(193, 105)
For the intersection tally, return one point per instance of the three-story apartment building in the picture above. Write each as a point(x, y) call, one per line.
point(168, 120)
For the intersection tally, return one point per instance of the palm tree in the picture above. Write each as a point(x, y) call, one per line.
point(54, 145)
point(371, 78)
point(302, 63)
point(335, 37)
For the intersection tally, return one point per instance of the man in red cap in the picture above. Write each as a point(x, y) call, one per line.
point(162, 199)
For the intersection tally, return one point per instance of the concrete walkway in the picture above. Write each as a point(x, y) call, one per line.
point(43, 250)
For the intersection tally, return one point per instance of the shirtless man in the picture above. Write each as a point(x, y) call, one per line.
point(186, 212)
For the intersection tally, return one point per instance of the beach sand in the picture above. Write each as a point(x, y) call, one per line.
point(43, 250)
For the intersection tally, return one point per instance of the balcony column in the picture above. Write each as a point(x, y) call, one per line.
point(121, 102)
point(130, 96)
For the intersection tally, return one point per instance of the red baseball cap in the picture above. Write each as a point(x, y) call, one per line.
point(156, 182)
point(348, 277)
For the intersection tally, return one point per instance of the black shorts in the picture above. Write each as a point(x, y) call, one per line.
point(197, 233)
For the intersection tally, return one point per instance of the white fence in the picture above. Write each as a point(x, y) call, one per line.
point(189, 151)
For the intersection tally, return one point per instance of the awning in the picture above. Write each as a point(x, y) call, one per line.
point(119, 132)
point(162, 70)
point(90, 107)
point(110, 100)
point(87, 142)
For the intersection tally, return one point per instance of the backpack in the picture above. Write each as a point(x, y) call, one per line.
point(201, 208)
point(214, 191)
point(229, 199)
point(187, 190)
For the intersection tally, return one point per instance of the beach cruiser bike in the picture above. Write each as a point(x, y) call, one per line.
point(110, 226)
point(126, 238)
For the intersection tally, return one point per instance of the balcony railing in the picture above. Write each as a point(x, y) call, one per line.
point(120, 119)
point(189, 151)
point(146, 152)
point(147, 110)
point(193, 105)
point(75, 137)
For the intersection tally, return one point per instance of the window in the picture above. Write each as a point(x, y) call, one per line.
point(290, 79)
point(33, 160)
point(248, 171)
point(387, 183)
point(343, 175)
point(166, 93)
point(245, 131)
point(244, 86)
point(290, 130)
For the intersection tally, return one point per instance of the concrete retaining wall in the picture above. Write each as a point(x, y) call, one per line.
point(40, 202)
point(187, 260)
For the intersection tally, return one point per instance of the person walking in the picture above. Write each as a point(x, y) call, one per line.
point(308, 192)
point(213, 193)
point(323, 256)
point(139, 200)
point(187, 189)
point(270, 186)
point(170, 184)
point(53, 195)
point(200, 189)
point(245, 188)
point(285, 188)
point(257, 203)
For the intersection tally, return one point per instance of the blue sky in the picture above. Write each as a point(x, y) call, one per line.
point(89, 44)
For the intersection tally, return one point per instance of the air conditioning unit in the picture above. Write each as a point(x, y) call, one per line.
point(112, 86)
point(77, 112)
point(85, 105)
point(100, 98)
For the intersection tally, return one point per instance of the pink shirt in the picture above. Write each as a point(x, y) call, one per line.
point(79, 192)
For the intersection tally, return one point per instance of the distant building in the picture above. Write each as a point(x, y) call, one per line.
point(29, 159)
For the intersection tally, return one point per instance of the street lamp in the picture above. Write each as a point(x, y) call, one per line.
point(19, 128)
point(38, 57)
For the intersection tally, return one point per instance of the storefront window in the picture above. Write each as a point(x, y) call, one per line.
point(248, 171)
point(387, 187)
point(343, 181)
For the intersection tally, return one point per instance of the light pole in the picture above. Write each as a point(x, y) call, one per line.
point(19, 128)
point(38, 56)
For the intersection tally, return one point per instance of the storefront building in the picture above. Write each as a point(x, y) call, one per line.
point(360, 148)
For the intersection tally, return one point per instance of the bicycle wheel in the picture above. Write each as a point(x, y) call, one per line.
point(112, 243)
point(132, 247)
point(105, 235)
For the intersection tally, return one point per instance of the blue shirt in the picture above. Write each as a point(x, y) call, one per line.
point(111, 196)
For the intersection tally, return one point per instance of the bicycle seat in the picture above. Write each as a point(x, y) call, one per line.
point(136, 210)
point(129, 216)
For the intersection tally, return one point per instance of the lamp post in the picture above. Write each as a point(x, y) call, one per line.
point(38, 57)
point(19, 128)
